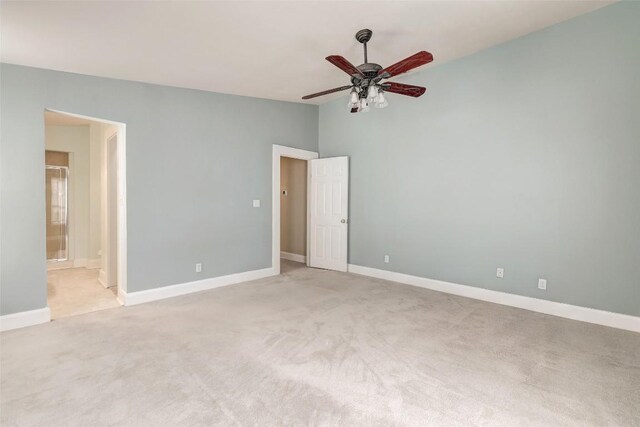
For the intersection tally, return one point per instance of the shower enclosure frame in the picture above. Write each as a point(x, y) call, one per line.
point(66, 214)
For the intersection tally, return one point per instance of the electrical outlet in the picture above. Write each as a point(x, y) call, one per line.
point(256, 203)
point(542, 284)
point(198, 268)
point(500, 272)
point(386, 259)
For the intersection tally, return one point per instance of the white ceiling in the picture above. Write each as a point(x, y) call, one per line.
point(266, 49)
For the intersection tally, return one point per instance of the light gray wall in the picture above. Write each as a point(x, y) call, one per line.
point(195, 162)
point(524, 156)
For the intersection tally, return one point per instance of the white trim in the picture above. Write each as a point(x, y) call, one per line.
point(80, 116)
point(122, 207)
point(133, 298)
point(80, 262)
point(293, 257)
point(94, 263)
point(25, 318)
point(121, 297)
point(295, 153)
point(584, 314)
point(111, 205)
point(102, 278)
point(59, 265)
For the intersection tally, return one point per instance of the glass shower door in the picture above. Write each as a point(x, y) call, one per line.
point(56, 178)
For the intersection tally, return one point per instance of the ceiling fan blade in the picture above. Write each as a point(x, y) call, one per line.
point(326, 92)
point(354, 110)
point(344, 65)
point(403, 89)
point(406, 64)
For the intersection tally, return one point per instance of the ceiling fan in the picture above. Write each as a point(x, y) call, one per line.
point(366, 86)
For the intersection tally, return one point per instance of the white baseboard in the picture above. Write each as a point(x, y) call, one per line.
point(102, 278)
point(94, 263)
point(139, 297)
point(121, 296)
point(25, 318)
point(293, 257)
point(59, 265)
point(584, 314)
point(79, 262)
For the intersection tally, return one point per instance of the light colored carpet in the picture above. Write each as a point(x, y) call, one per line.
point(74, 291)
point(319, 348)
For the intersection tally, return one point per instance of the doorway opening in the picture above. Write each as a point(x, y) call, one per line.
point(85, 206)
point(327, 209)
point(293, 213)
point(290, 207)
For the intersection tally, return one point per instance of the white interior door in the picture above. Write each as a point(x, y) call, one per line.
point(328, 213)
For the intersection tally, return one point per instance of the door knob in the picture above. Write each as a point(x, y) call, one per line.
point(344, 221)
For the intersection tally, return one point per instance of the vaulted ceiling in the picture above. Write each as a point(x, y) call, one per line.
point(265, 49)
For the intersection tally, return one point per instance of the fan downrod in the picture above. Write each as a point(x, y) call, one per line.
point(363, 36)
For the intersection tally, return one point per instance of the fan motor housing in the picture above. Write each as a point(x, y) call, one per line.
point(369, 70)
point(370, 78)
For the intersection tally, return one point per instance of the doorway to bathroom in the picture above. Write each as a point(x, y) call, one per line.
point(82, 177)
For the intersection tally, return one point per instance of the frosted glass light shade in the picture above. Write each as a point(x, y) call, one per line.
point(364, 105)
point(372, 94)
point(381, 101)
point(353, 99)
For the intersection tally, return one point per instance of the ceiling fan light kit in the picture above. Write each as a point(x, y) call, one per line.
point(366, 79)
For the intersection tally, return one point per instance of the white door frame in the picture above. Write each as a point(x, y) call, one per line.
point(111, 221)
point(122, 197)
point(278, 152)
